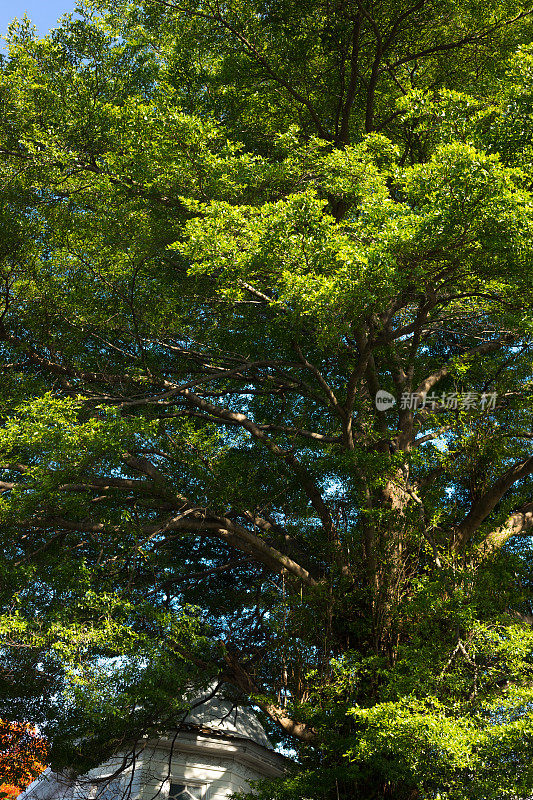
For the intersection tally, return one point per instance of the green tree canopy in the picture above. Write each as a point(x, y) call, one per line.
point(228, 231)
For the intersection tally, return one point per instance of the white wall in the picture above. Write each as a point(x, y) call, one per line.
point(223, 775)
point(225, 765)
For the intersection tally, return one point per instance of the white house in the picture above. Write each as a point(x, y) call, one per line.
point(218, 750)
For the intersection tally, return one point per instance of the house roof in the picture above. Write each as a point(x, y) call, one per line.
point(222, 716)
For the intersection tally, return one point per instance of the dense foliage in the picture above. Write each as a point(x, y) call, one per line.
point(23, 754)
point(227, 230)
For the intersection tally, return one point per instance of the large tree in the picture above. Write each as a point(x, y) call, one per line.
point(228, 232)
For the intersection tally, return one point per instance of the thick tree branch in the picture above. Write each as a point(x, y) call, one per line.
point(488, 500)
point(487, 347)
point(240, 677)
point(343, 137)
point(192, 520)
point(518, 523)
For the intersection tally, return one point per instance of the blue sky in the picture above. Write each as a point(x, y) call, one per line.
point(43, 13)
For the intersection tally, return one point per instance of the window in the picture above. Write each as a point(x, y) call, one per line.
point(186, 791)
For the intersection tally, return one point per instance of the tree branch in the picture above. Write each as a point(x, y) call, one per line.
point(486, 347)
point(488, 500)
point(479, 36)
point(519, 522)
point(243, 680)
